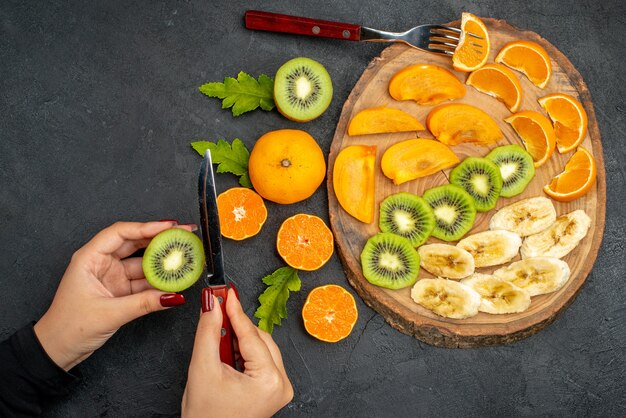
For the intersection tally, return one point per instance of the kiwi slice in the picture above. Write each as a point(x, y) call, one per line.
point(481, 179)
point(389, 260)
point(174, 260)
point(516, 168)
point(302, 89)
point(454, 211)
point(407, 215)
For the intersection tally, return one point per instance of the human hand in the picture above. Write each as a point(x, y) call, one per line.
point(100, 291)
point(216, 389)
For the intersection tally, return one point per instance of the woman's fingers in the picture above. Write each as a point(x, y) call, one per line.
point(133, 268)
point(274, 350)
point(138, 286)
point(206, 347)
point(115, 239)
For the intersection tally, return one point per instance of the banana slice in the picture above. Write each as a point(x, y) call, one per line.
point(526, 217)
point(536, 275)
point(560, 238)
point(446, 298)
point(498, 296)
point(490, 248)
point(446, 260)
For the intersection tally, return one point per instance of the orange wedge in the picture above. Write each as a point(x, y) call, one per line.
point(528, 57)
point(379, 120)
point(569, 117)
point(329, 313)
point(537, 133)
point(456, 123)
point(576, 180)
point(426, 84)
point(498, 81)
point(471, 52)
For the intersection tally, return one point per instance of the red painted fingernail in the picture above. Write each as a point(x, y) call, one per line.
point(169, 220)
point(207, 299)
point(172, 299)
point(193, 227)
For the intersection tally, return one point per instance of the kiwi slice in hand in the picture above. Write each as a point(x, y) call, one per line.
point(481, 179)
point(407, 215)
point(302, 89)
point(454, 211)
point(516, 168)
point(174, 260)
point(390, 261)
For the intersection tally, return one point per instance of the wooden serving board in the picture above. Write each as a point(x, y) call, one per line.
point(396, 306)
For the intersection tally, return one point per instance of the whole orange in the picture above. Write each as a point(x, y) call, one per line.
point(286, 166)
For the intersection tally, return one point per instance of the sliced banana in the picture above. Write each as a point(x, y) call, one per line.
point(526, 217)
point(446, 298)
point(498, 296)
point(446, 260)
point(560, 238)
point(490, 248)
point(537, 275)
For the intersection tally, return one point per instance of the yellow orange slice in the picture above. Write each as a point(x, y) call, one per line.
point(378, 120)
point(528, 57)
point(471, 52)
point(498, 81)
point(575, 180)
point(426, 84)
point(537, 133)
point(569, 118)
point(456, 123)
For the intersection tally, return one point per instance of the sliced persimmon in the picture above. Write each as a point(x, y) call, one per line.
point(498, 81)
point(472, 51)
point(414, 158)
point(426, 84)
point(528, 57)
point(354, 181)
point(575, 180)
point(381, 119)
point(457, 123)
point(537, 133)
point(569, 118)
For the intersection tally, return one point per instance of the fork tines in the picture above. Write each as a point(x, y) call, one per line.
point(444, 39)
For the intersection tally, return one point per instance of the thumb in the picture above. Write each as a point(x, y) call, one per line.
point(127, 308)
point(206, 347)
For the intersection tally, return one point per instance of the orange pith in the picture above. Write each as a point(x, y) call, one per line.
point(569, 117)
point(498, 81)
point(471, 52)
point(329, 313)
point(537, 133)
point(242, 213)
point(304, 242)
point(575, 180)
point(528, 57)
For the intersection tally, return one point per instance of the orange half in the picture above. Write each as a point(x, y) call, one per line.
point(569, 118)
point(242, 213)
point(498, 81)
point(329, 313)
point(528, 57)
point(304, 242)
point(471, 52)
point(537, 133)
point(575, 180)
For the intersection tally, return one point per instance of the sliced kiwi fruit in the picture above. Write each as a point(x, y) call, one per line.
point(389, 260)
point(407, 215)
point(302, 89)
point(481, 179)
point(516, 168)
point(454, 211)
point(174, 260)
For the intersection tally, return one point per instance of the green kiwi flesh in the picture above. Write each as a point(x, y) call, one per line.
point(174, 260)
point(454, 211)
point(390, 261)
point(480, 178)
point(407, 215)
point(302, 89)
point(516, 168)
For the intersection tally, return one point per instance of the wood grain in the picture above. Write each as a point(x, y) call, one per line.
point(397, 307)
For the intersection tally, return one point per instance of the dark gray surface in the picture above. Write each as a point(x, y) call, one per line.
point(98, 105)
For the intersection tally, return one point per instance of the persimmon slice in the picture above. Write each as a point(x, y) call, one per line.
point(414, 158)
point(457, 123)
point(354, 181)
point(379, 120)
point(426, 84)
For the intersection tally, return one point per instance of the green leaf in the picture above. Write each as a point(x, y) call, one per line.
point(242, 94)
point(274, 299)
point(230, 158)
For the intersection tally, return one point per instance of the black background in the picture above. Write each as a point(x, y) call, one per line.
point(98, 105)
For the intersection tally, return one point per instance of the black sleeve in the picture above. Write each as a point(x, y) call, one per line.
point(28, 377)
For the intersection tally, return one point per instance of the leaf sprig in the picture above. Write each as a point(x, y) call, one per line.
point(274, 299)
point(231, 158)
point(242, 94)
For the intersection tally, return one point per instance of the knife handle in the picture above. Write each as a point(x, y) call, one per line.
point(228, 349)
point(274, 22)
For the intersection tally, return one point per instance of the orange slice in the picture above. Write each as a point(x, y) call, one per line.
point(471, 52)
point(576, 180)
point(498, 81)
point(569, 117)
point(457, 123)
point(528, 57)
point(379, 120)
point(537, 133)
point(354, 181)
point(242, 213)
point(426, 84)
point(329, 313)
point(304, 242)
point(414, 158)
